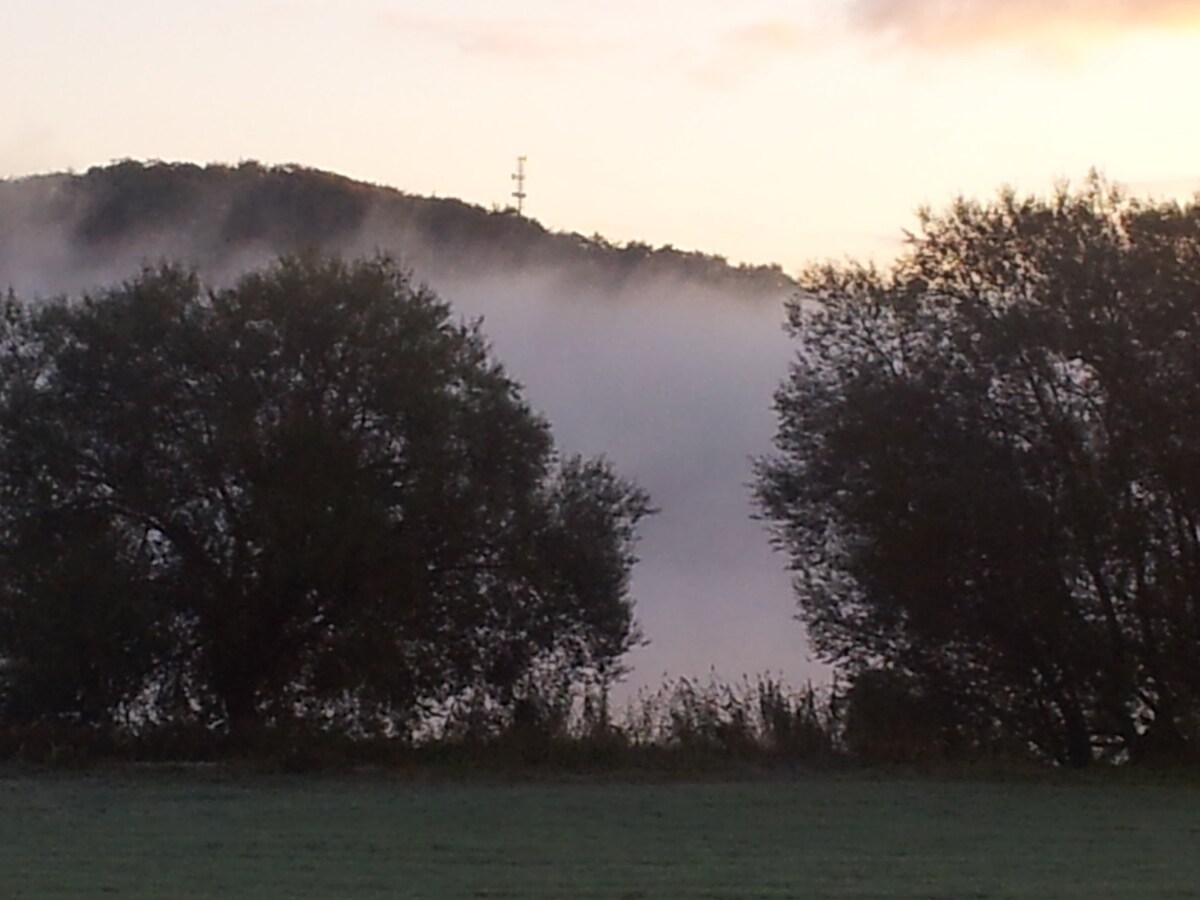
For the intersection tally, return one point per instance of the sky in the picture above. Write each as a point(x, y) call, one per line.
point(762, 130)
point(779, 131)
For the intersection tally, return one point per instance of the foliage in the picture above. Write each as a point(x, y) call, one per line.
point(218, 215)
point(552, 723)
point(988, 471)
point(312, 496)
point(761, 720)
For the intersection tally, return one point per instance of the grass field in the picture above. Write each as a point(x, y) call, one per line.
point(161, 837)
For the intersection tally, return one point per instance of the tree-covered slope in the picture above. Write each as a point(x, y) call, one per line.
point(223, 218)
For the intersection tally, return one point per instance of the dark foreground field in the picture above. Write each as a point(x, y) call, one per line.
point(159, 837)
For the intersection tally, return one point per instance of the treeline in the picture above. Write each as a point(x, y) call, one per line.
point(308, 521)
point(988, 476)
point(684, 728)
point(214, 217)
point(312, 508)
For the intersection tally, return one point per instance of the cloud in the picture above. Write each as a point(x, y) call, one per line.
point(771, 37)
point(512, 39)
point(1053, 31)
point(964, 24)
point(748, 48)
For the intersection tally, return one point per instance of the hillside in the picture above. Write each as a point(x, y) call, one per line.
point(661, 360)
point(223, 218)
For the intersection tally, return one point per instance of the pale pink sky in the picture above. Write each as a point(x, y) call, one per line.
point(766, 130)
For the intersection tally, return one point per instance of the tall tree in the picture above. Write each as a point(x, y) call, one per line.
point(987, 479)
point(312, 494)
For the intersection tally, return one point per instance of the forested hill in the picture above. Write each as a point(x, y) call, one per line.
point(109, 220)
point(662, 361)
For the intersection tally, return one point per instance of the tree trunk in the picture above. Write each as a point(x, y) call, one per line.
point(241, 710)
point(1078, 738)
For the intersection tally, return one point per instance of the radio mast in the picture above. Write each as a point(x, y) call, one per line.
point(519, 177)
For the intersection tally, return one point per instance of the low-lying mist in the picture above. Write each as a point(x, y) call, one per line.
point(671, 378)
point(674, 384)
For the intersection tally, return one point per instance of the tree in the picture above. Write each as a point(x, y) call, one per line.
point(987, 475)
point(313, 494)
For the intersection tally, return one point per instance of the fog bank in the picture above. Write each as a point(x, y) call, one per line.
point(669, 377)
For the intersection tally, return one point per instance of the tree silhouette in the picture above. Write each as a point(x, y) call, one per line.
point(987, 478)
point(313, 495)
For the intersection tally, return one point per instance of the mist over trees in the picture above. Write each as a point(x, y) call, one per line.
point(987, 479)
point(223, 220)
point(662, 360)
point(312, 496)
point(985, 474)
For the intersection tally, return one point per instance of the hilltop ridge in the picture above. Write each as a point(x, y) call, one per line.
point(223, 218)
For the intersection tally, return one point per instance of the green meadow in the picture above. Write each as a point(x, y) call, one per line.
point(157, 836)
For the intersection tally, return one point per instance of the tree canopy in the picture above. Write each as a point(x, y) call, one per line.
point(214, 215)
point(312, 495)
point(987, 475)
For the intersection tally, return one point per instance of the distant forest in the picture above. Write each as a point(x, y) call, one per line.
point(213, 216)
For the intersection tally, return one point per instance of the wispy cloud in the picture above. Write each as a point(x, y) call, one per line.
point(747, 48)
point(776, 36)
point(513, 39)
point(1051, 30)
point(964, 24)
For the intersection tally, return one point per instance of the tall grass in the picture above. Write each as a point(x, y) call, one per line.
point(685, 724)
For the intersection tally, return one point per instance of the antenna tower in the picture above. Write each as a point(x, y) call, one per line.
point(519, 177)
